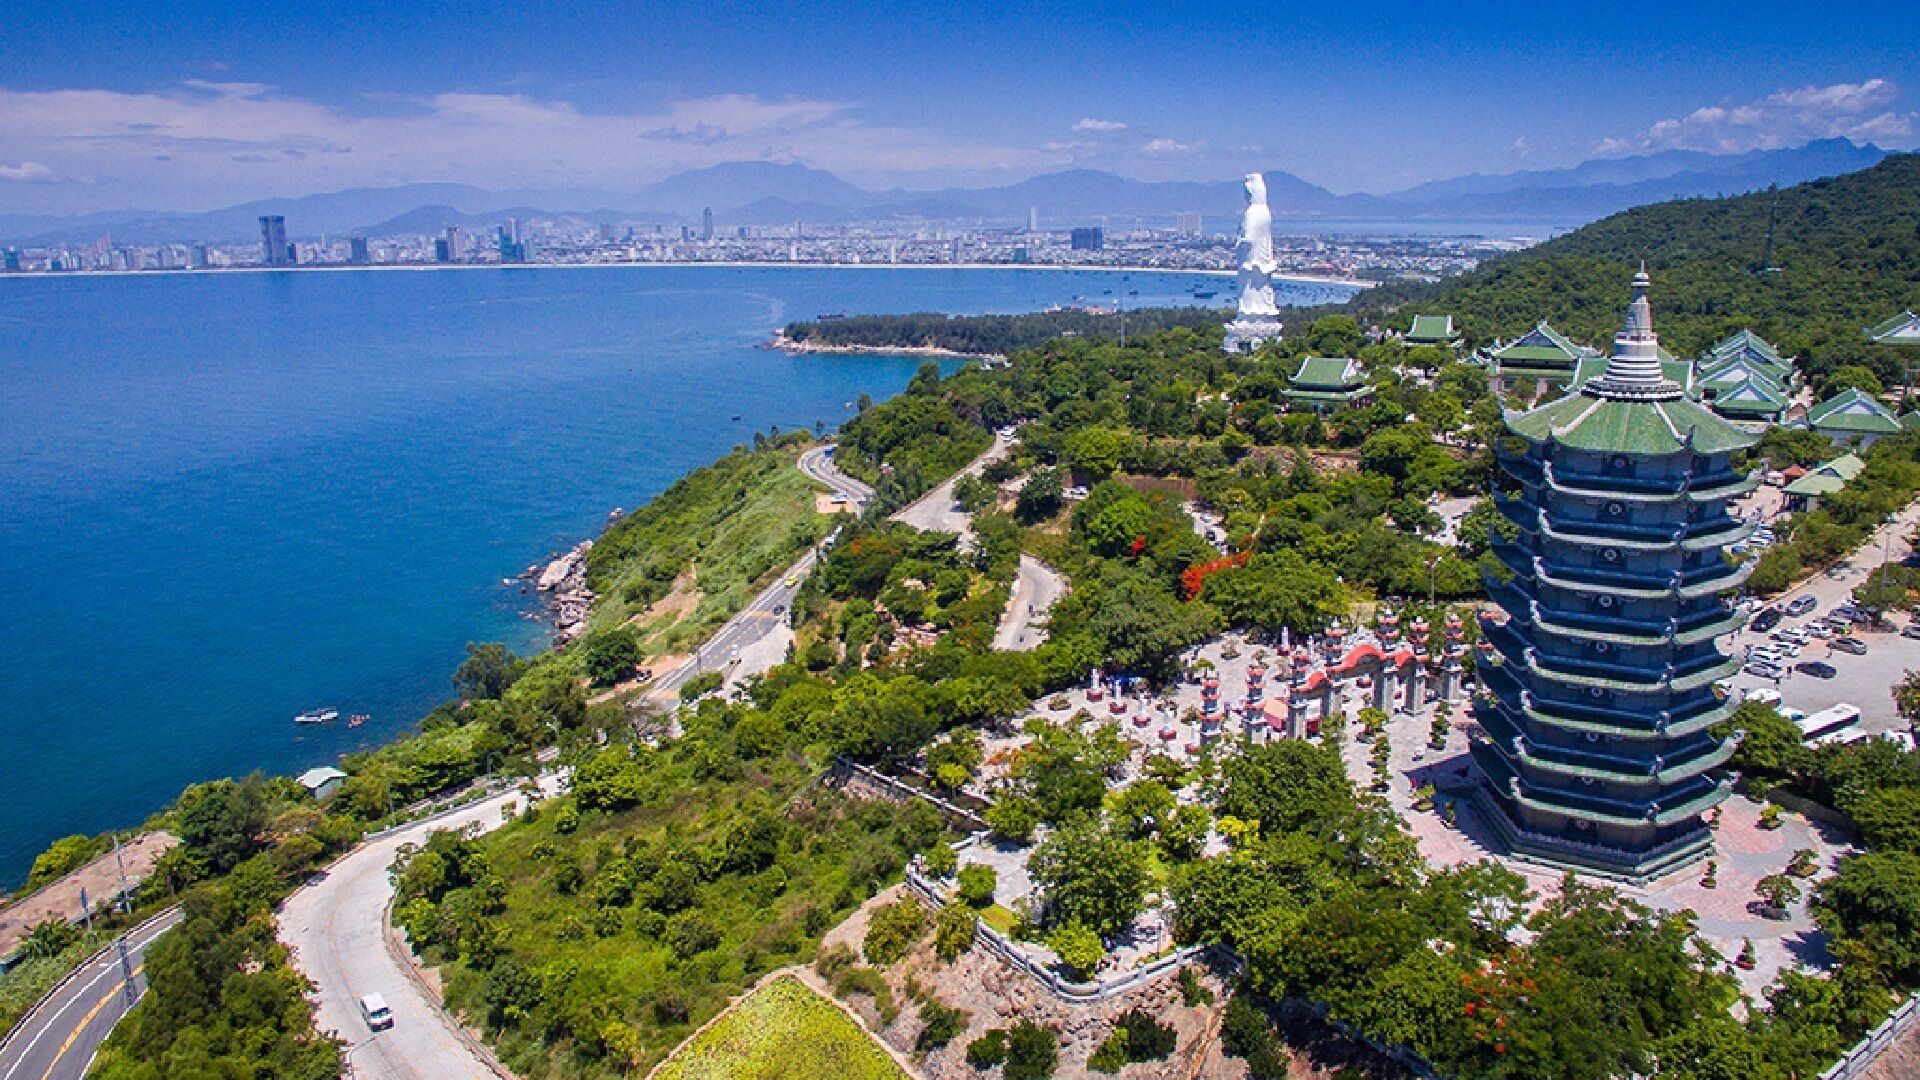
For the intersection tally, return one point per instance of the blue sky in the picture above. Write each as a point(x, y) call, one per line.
point(184, 105)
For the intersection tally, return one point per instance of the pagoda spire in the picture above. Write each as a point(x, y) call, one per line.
point(1633, 370)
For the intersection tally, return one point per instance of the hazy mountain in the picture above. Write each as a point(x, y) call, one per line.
point(1594, 189)
point(772, 193)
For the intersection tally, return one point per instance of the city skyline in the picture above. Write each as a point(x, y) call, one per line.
point(197, 107)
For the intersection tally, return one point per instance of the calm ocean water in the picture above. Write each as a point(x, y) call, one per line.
point(226, 499)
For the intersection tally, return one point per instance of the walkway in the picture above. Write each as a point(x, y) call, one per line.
point(1035, 588)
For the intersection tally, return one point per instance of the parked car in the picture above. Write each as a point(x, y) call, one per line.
point(1765, 619)
point(1816, 669)
point(1912, 630)
point(1850, 645)
point(1800, 605)
point(1819, 629)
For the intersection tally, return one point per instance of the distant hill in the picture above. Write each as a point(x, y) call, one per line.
point(1603, 186)
point(1847, 253)
point(775, 193)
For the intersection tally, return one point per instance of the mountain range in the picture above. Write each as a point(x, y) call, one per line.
point(772, 193)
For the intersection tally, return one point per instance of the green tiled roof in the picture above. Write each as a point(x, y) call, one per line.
point(1677, 372)
point(1910, 420)
point(1852, 410)
point(1434, 329)
point(1542, 346)
point(1745, 341)
point(1751, 395)
point(1902, 329)
point(1328, 373)
point(1585, 421)
point(1828, 478)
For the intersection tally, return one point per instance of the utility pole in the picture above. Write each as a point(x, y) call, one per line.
point(126, 970)
point(126, 899)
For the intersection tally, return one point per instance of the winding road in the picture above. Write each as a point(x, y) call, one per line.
point(336, 929)
point(57, 1040)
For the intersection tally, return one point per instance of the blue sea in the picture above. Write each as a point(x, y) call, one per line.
point(229, 498)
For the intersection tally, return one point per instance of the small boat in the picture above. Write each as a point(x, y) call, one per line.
point(318, 716)
point(357, 719)
point(736, 416)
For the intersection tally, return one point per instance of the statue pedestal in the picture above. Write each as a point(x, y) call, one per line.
point(1246, 332)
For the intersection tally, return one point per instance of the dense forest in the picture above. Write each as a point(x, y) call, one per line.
point(991, 335)
point(1846, 254)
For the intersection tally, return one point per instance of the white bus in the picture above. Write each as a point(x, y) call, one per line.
point(1826, 726)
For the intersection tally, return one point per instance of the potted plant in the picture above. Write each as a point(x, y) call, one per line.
point(1776, 892)
point(1745, 961)
point(1770, 816)
point(1711, 879)
point(1423, 797)
point(1803, 863)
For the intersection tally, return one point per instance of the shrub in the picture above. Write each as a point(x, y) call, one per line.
point(1078, 947)
point(940, 860)
point(988, 1050)
point(1136, 1037)
point(893, 930)
point(1013, 818)
point(1032, 1052)
point(940, 1024)
point(953, 931)
point(977, 883)
point(1192, 992)
point(1245, 1033)
point(691, 933)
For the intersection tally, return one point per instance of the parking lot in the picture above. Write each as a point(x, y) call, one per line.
point(1865, 681)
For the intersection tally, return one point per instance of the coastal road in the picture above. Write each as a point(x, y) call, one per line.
point(335, 928)
point(936, 511)
point(1035, 588)
point(727, 650)
point(818, 464)
point(57, 1040)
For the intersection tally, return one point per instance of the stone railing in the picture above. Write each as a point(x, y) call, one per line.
point(1065, 989)
point(1855, 1062)
point(953, 811)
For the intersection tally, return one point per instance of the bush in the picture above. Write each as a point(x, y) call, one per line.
point(953, 931)
point(1245, 1033)
point(977, 883)
point(893, 930)
point(940, 860)
point(940, 1024)
point(988, 1050)
point(1136, 1037)
point(1014, 818)
point(1032, 1052)
point(1192, 992)
point(1077, 947)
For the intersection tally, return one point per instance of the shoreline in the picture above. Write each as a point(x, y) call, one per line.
point(785, 344)
point(726, 264)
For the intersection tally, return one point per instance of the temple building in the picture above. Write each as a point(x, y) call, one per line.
point(1902, 329)
point(1597, 688)
point(1814, 484)
point(1323, 383)
point(1542, 354)
point(1744, 377)
point(1853, 418)
point(1434, 330)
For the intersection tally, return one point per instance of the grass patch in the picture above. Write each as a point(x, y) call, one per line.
point(1000, 919)
point(783, 1029)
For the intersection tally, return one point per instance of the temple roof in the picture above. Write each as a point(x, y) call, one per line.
point(1540, 346)
point(1584, 421)
point(1828, 478)
point(1852, 410)
point(1328, 373)
point(1902, 329)
point(1747, 342)
point(1749, 393)
point(1430, 329)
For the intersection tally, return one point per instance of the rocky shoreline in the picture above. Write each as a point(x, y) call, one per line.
point(781, 341)
point(561, 584)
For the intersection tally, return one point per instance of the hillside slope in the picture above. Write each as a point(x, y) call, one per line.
point(1847, 251)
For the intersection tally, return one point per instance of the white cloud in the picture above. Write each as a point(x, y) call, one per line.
point(25, 172)
point(1863, 111)
point(1090, 125)
point(187, 140)
point(1165, 147)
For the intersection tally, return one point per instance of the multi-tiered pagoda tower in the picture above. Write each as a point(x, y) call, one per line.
point(1599, 686)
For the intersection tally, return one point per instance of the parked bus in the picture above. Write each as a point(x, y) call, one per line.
point(1819, 728)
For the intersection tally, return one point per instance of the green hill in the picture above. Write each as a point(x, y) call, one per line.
point(1847, 251)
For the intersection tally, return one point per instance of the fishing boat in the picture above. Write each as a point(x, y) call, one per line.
point(318, 716)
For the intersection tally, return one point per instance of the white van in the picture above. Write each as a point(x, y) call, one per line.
point(374, 1009)
point(1765, 695)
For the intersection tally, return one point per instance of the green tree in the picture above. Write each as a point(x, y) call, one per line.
point(488, 671)
point(953, 931)
point(1872, 905)
point(610, 780)
point(1041, 496)
point(1032, 1052)
point(977, 883)
point(1077, 947)
point(1092, 874)
point(608, 655)
point(893, 930)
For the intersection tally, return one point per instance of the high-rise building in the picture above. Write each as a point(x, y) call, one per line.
point(1033, 219)
point(706, 225)
point(357, 252)
point(1599, 704)
point(274, 249)
point(1189, 224)
point(11, 259)
point(198, 257)
point(1088, 238)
